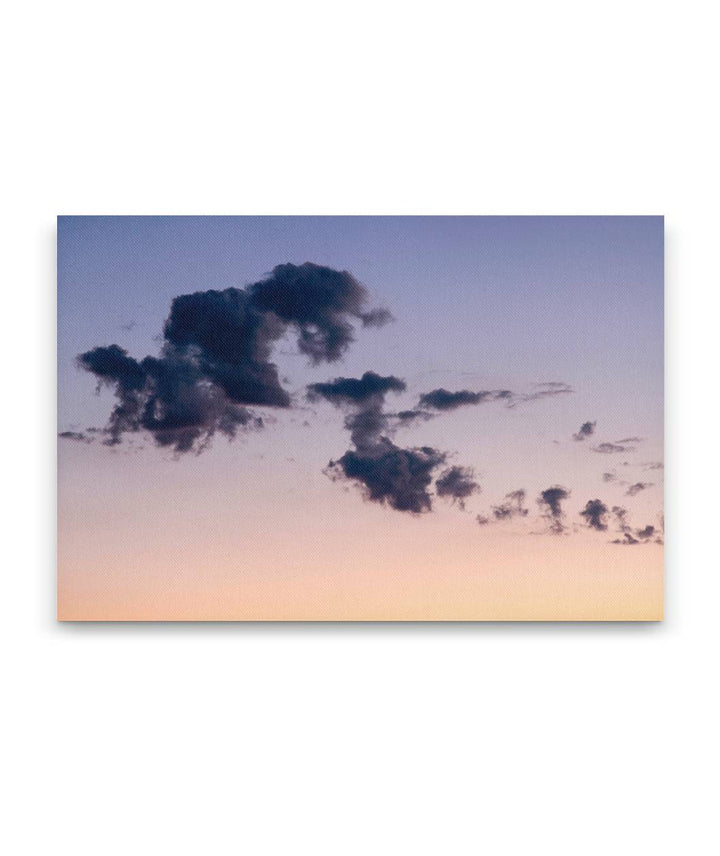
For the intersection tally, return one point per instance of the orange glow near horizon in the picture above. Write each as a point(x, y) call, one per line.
point(335, 557)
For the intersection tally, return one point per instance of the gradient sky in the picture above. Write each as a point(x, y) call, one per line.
point(253, 528)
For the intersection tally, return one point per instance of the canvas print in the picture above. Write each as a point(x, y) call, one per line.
point(360, 418)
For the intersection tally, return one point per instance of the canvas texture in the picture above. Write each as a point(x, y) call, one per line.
point(360, 418)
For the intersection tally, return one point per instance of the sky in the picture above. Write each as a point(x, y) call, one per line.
point(231, 444)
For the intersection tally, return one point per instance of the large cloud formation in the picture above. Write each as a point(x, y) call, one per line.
point(390, 475)
point(215, 360)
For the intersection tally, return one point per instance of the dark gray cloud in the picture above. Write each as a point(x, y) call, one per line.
point(634, 489)
point(587, 429)
point(365, 399)
point(215, 359)
point(356, 390)
point(629, 440)
point(595, 514)
point(457, 484)
point(320, 303)
point(482, 520)
point(443, 399)
point(609, 477)
point(654, 465)
point(388, 474)
point(168, 396)
point(645, 533)
point(512, 506)
point(611, 448)
point(78, 436)
point(550, 502)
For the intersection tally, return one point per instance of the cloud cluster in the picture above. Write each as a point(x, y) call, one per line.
point(512, 506)
point(443, 399)
point(215, 359)
point(632, 536)
point(398, 477)
point(389, 474)
point(214, 367)
point(621, 517)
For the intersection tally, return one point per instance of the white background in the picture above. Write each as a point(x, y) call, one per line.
point(497, 739)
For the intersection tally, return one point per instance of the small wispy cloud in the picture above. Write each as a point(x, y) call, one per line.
point(587, 429)
point(543, 390)
point(511, 506)
point(444, 399)
point(411, 417)
point(636, 488)
point(77, 436)
point(611, 448)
